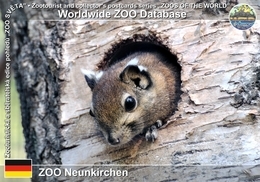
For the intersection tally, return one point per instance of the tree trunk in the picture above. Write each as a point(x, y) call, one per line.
point(213, 135)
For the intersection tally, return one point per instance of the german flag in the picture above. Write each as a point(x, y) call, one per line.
point(18, 168)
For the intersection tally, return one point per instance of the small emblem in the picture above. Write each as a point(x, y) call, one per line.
point(242, 16)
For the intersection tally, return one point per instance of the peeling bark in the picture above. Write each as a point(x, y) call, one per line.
point(217, 120)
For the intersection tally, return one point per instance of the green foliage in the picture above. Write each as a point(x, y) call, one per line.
point(17, 138)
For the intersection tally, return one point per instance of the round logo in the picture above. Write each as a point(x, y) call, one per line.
point(242, 16)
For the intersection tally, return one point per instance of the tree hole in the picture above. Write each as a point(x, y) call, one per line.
point(142, 43)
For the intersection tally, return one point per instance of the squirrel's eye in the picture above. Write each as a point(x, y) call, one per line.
point(130, 103)
point(91, 113)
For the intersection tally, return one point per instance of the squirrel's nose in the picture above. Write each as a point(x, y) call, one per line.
point(112, 140)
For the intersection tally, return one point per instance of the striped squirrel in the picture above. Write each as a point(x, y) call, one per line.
point(133, 96)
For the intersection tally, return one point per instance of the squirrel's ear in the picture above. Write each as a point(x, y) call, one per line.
point(136, 75)
point(91, 77)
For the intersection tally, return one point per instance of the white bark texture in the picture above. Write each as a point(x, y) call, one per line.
point(217, 121)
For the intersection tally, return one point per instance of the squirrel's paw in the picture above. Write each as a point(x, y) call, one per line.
point(152, 133)
point(158, 123)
